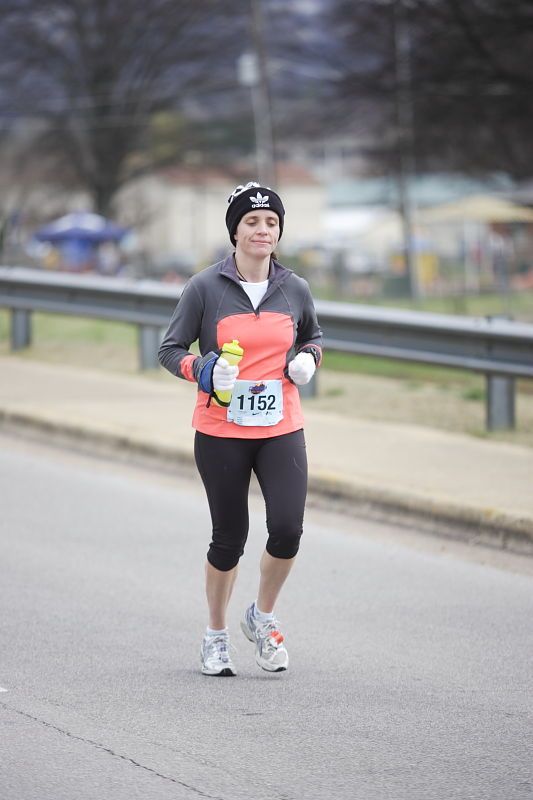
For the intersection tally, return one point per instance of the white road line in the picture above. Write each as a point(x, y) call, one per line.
point(2, 689)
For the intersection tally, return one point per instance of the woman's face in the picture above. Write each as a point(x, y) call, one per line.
point(257, 233)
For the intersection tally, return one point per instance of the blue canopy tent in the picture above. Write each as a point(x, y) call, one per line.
point(82, 225)
point(78, 235)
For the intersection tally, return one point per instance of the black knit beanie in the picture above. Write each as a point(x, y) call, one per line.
point(247, 198)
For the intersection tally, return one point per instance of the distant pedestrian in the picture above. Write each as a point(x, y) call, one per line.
point(248, 415)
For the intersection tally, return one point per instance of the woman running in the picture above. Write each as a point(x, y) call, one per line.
point(248, 415)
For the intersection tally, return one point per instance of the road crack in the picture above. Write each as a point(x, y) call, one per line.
point(110, 752)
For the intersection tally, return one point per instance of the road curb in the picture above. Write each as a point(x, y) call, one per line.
point(467, 523)
point(326, 490)
point(98, 442)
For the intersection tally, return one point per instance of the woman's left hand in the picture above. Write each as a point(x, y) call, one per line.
point(302, 368)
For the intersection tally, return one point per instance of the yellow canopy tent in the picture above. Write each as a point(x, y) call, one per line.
point(478, 208)
point(473, 216)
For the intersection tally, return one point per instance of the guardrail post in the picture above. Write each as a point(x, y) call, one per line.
point(20, 328)
point(149, 341)
point(310, 389)
point(500, 403)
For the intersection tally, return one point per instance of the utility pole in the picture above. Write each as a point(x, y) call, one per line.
point(404, 137)
point(253, 72)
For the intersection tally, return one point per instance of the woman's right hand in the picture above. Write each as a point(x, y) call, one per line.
point(224, 375)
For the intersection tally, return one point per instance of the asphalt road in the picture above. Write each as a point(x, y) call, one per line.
point(410, 658)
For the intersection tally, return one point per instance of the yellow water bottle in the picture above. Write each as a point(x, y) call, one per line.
point(232, 352)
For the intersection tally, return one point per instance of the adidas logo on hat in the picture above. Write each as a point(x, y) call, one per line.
point(260, 201)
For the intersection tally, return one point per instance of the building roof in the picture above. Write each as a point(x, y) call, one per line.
point(429, 189)
point(288, 174)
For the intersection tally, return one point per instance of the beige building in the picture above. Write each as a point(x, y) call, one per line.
point(178, 213)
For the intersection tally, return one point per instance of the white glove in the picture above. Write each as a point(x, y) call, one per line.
point(224, 375)
point(302, 368)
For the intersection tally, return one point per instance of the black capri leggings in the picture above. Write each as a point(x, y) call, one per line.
point(225, 466)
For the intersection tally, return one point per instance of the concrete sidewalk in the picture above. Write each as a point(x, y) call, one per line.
point(449, 482)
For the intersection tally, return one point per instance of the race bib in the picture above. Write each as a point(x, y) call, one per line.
point(256, 403)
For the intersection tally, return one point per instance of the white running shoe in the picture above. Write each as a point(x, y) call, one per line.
point(270, 652)
point(215, 657)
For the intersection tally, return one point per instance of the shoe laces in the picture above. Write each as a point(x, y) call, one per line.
point(271, 633)
point(219, 645)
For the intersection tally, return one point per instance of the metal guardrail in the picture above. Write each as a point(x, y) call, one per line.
point(499, 348)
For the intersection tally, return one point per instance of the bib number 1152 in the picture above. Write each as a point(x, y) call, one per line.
point(256, 402)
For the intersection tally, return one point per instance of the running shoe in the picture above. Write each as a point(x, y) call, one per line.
point(270, 652)
point(215, 657)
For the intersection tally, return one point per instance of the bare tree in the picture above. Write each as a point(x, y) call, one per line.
point(474, 84)
point(97, 71)
point(471, 80)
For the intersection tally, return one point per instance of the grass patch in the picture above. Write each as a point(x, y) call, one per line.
point(77, 341)
point(403, 370)
point(518, 305)
point(57, 328)
point(335, 392)
point(474, 393)
point(4, 326)
point(62, 329)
